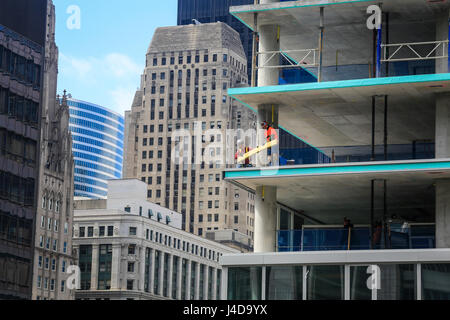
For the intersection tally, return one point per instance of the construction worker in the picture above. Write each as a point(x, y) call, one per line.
point(271, 135)
point(239, 153)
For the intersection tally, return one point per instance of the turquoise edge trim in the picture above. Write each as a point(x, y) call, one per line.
point(369, 82)
point(286, 171)
point(234, 14)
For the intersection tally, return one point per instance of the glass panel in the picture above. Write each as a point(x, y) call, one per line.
point(285, 219)
point(358, 283)
point(244, 283)
point(398, 282)
point(325, 283)
point(284, 283)
point(436, 281)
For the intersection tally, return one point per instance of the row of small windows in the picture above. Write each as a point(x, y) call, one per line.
point(51, 204)
point(17, 147)
point(15, 230)
point(53, 224)
point(95, 109)
point(45, 284)
point(103, 231)
point(17, 189)
point(20, 68)
point(51, 244)
point(164, 61)
point(47, 264)
point(18, 107)
point(181, 245)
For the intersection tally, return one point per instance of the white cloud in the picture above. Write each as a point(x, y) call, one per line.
point(110, 80)
point(122, 98)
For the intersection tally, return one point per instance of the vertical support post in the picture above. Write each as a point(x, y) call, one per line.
point(224, 284)
point(254, 49)
point(419, 281)
point(346, 282)
point(372, 211)
point(387, 42)
point(263, 283)
point(304, 283)
point(448, 48)
point(374, 53)
point(322, 29)
point(373, 129)
point(385, 128)
point(385, 215)
point(379, 39)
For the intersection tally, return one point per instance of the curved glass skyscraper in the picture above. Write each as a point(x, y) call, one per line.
point(97, 135)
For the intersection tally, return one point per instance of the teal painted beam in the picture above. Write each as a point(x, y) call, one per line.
point(327, 85)
point(336, 169)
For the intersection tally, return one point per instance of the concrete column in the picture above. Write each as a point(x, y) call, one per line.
point(443, 126)
point(265, 219)
point(197, 282)
point(170, 271)
point(115, 266)
point(142, 270)
point(188, 280)
point(179, 278)
point(152, 271)
point(161, 273)
point(443, 214)
point(94, 267)
point(205, 282)
point(442, 186)
point(214, 285)
point(268, 41)
point(442, 33)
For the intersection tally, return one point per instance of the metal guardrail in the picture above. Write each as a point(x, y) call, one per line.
point(437, 50)
point(307, 58)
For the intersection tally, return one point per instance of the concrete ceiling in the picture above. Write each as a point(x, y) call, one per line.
point(342, 116)
point(410, 194)
point(347, 38)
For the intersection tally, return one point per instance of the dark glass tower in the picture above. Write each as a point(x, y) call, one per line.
point(22, 53)
point(206, 11)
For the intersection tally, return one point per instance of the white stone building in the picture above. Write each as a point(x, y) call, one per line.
point(129, 248)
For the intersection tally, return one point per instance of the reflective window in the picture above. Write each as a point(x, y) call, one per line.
point(435, 281)
point(244, 283)
point(284, 283)
point(325, 282)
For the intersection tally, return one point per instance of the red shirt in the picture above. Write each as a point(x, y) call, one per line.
point(271, 134)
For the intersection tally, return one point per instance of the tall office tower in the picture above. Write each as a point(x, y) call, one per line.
point(217, 11)
point(22, 47)
point(188, 70)
point(53, 226)
point(97, 134)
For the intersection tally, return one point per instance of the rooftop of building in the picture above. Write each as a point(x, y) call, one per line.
point(211, 36)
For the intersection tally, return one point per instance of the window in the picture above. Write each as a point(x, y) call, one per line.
point(130, 284)
point(236, 206)
point(132, 231)
point(225, 58)
point(110, 231)
point(63, 285)
point(90, 232)
point(53, 264)
point(131, 249)
point(236, 219)
point(130, 266)
point(200, 218)
point(47, 262)
point(40, 262)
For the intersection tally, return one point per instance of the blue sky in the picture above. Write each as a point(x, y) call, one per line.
point(102, 61)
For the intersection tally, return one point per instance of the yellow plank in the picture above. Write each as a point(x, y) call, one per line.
point(257, 150)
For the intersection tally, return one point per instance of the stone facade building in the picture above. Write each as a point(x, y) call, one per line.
point(53, 224)
point(129, 248)
point(184, 92)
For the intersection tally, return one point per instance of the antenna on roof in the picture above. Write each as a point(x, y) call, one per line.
point(196, 22)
